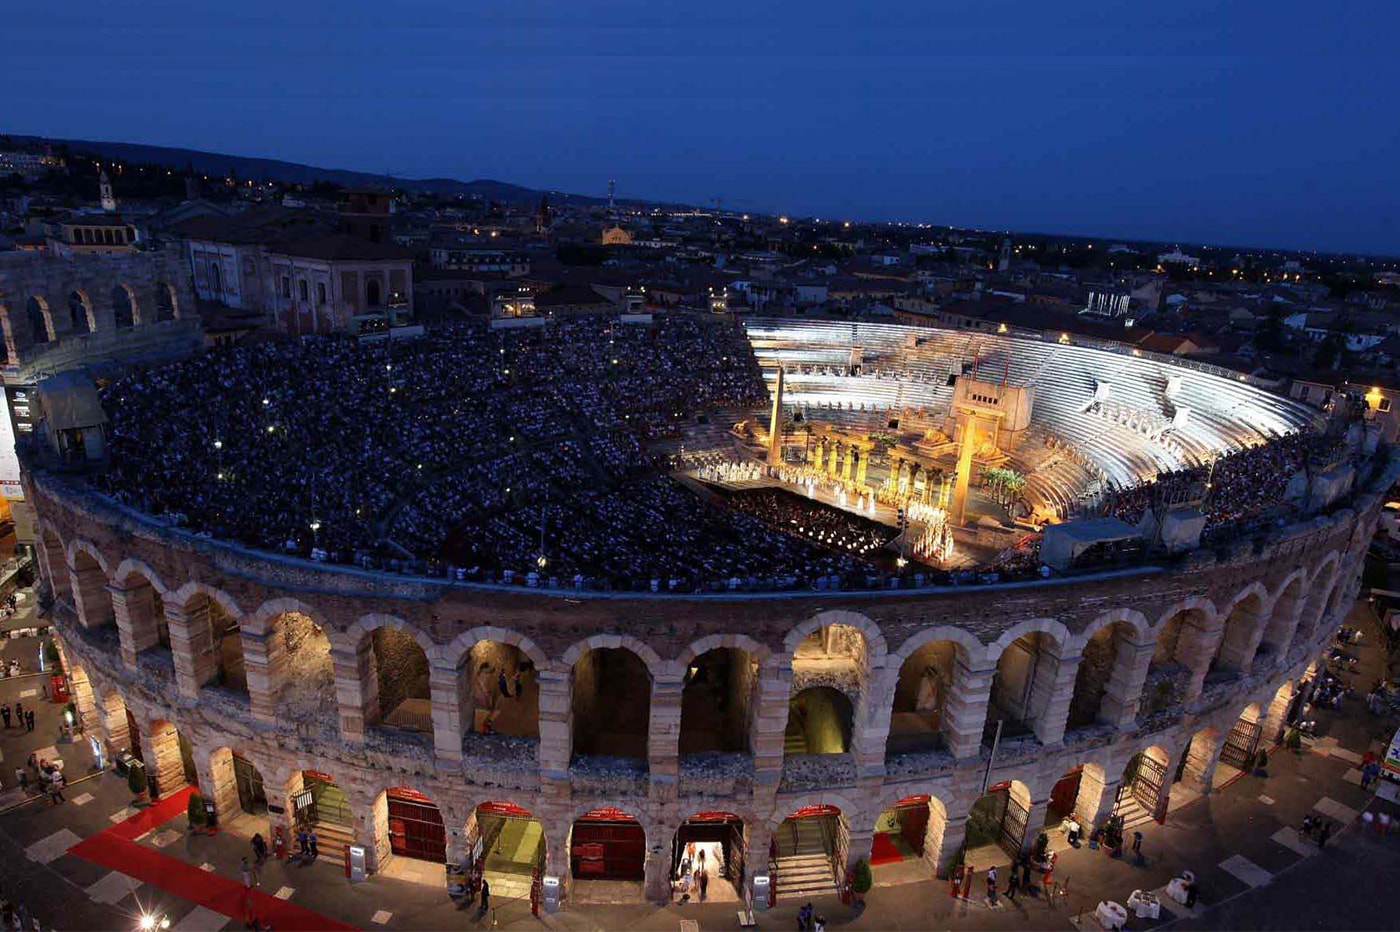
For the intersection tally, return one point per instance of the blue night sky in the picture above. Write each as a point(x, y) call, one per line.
point(1233, 122)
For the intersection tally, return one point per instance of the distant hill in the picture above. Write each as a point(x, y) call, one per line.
point(215, 163)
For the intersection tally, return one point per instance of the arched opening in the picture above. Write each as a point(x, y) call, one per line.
point(123, 307)
point(117, 727)
point(34, 311)
point(997, 825)
point(173, 766)
point(808, 849)
point(1233, 653)
point(409, 825)
point(55, 565)
point(1241, 747)
point(507, 844)
point(829, 671)
point(1181, 651)
point(1142, 793)
point(502, 691)
point(145, 612)
point(1196, 772)
point(319, 804)
point(165, 302)
point(373, 296)
point(301, 677)
point(718, 702)
point(1022, 686)
point(921, 699)
point(401, 671)
point(238, 794)
point(909, 833)
point(79, 313)
point(1102, 654)
point(606, 844)
point(708, 854)
point(1321, 599)
point(217, 644)
point(94, 602)
point(819, 722)
point(1283, 617)
point(611, 700)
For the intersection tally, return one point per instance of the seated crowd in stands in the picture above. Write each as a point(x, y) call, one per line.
point(1244, 486)
point(821, 524)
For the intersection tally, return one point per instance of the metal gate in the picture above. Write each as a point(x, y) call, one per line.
point(252, 797)
point(321, 802)
point(1241, 744)
point(1013, 826)
point(1148, 780)
point(415, 827)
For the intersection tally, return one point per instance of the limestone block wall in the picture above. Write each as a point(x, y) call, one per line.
point(453, 629)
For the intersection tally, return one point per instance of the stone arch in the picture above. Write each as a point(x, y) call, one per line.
point(920, 683)
point(261, 621)
point(167, 302)
point(720, 695)
point(125, 311)
point(405, 700)
point(893, 819)
point(1029, 663)
point(1285, 611)
point(182, 597)
point(1242, 624)
point(1319, 597)
point(206, 634)
point(422, 830)
point(87, 569)
point(287, 650)
point(53, 560)
point(132, 566)
point(140, 592)
point(455, 653)
point(656, 667)
point(755, 649)
point(1184, 638)
point(874, 637)
point(1104, 687)
point(81, 317)
point(40, 319)
point(366, 625)
point(788, 805)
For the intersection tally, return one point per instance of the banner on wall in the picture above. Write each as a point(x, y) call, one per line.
point(10, 488)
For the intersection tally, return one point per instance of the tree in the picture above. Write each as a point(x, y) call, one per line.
point(861, 879)
point(136, 780)
point(197, 814)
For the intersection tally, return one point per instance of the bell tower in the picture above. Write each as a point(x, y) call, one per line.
point(109, 200)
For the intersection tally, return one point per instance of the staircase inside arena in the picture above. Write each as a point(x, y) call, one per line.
point(802, 867)
point(331, 841)
point(1133, 814)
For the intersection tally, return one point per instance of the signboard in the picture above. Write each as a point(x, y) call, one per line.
point(1391, 766)
point(10, 488)
point(355, 863)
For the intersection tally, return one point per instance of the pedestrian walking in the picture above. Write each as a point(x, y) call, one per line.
point(485, 898)
point(19, 713)
point(247, 871)
point(311, 841)
point(502, 685)
point(301, 842)
point(704, 883)
point(519, 684)
point(5, 714)
point(22, 778)
point(1137, 847)
point(1326, 834)
point(259, 847)
point(29, 719)
point(991, 886)
point(1013, 884)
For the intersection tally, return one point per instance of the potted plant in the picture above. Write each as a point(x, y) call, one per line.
point(1113, 837)
point(196, 813)
point(136, 782)
point(861, 880)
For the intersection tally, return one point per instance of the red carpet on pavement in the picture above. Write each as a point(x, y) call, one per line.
point(117, 849)
point(883, 851)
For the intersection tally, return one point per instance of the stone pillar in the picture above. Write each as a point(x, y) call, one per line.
point(872, 727)
point(664, 730)
point(954, 834)
point(657, 868)
point(847, 463)
point(1126, 681)
point(1102, 807)
point(770, 721)
point(1037, 812)
point(1195, 650)
point(1202, 754)
point(116, 730)
point(88, 718)
point(192, 643)
point(90, 596)
point(861, 468)
point(218, 783)
point(556, 723)
point(356, 690)
point(965, 715)
point(1276, 715)
point(1051, 693)
point(448, 727)
point(858, 842)
point(133, 607)
point(262, 661)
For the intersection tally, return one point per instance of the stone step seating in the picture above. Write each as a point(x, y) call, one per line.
point(507, 886)
point(794, 743)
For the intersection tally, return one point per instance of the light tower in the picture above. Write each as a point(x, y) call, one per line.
point(612, 190)
point(775, 424)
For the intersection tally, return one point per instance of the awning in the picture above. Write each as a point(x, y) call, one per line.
point(69, 401)
point(1063, 543)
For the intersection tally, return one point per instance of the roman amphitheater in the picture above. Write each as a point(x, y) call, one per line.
point(472, 678)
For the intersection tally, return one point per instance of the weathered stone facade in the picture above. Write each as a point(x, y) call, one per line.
point(1244, 624)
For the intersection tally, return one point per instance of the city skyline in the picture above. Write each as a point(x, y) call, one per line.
point(1262, 131)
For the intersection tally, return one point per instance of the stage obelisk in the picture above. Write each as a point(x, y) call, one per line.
point(775, 424)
